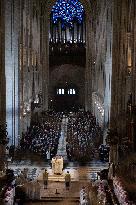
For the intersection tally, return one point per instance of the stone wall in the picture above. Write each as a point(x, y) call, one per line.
point(102, 57)
point(30, 60)
point(2, 65)
point(123, 66)
point(22, 63)
point(70, 75)
point(2, 82)
point(12, 21)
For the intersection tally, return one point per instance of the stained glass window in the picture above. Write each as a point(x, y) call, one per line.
point(67, 11)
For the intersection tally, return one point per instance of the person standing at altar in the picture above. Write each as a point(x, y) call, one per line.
point(45, 179)
point(67, 180)
point(48, 154)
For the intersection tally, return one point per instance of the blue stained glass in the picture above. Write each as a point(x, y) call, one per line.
point(67, 11)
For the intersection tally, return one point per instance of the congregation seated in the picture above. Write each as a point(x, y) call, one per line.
point(43, 137)
point(83, 137)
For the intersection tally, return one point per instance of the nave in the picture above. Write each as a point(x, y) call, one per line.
point(83, 173)
point(79, 58)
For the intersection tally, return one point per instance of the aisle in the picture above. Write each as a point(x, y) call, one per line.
point(62, 141)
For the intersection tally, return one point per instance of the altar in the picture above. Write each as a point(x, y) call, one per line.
point(57, 164)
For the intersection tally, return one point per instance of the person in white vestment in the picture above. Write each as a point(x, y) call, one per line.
point(57, 165)
point(58, 169)
point(48, 154)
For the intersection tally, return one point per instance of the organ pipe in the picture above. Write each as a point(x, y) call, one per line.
point(60, 30)
point(74, 34)
point(73, 30)
point(77, 33)
point(61, 34)
point(55, 33)
point(82, 32)
point(65, 35)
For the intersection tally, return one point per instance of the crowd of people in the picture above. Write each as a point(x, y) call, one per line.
point(83, 136)
point(43, 137)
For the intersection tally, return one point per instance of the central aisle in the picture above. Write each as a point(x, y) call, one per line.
point(62, 141)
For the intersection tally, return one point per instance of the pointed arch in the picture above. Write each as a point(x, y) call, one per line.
point(88, 71)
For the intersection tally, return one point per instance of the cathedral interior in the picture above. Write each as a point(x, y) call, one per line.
point(68, 90)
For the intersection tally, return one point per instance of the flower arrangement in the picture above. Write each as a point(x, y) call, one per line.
point(9, 196)
point(120, 192)
point(101, 194)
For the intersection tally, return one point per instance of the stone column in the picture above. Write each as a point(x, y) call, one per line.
point(133, 83)
point(134, 56)
point(12, 24)
point(2, 81)
point(114, 69)
point(45, 60)
point(116, 83)
point(2, 65)
point(88, 69)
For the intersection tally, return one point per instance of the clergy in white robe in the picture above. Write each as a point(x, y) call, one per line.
point(57, 165)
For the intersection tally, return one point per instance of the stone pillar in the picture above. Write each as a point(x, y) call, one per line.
point(88, 69)
point(12, 23)
point(133, 82)
point(2, 81)
point(134, 56)
point(108, 63)
point(115, 65)
point(2, 65)
point(45, 60)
